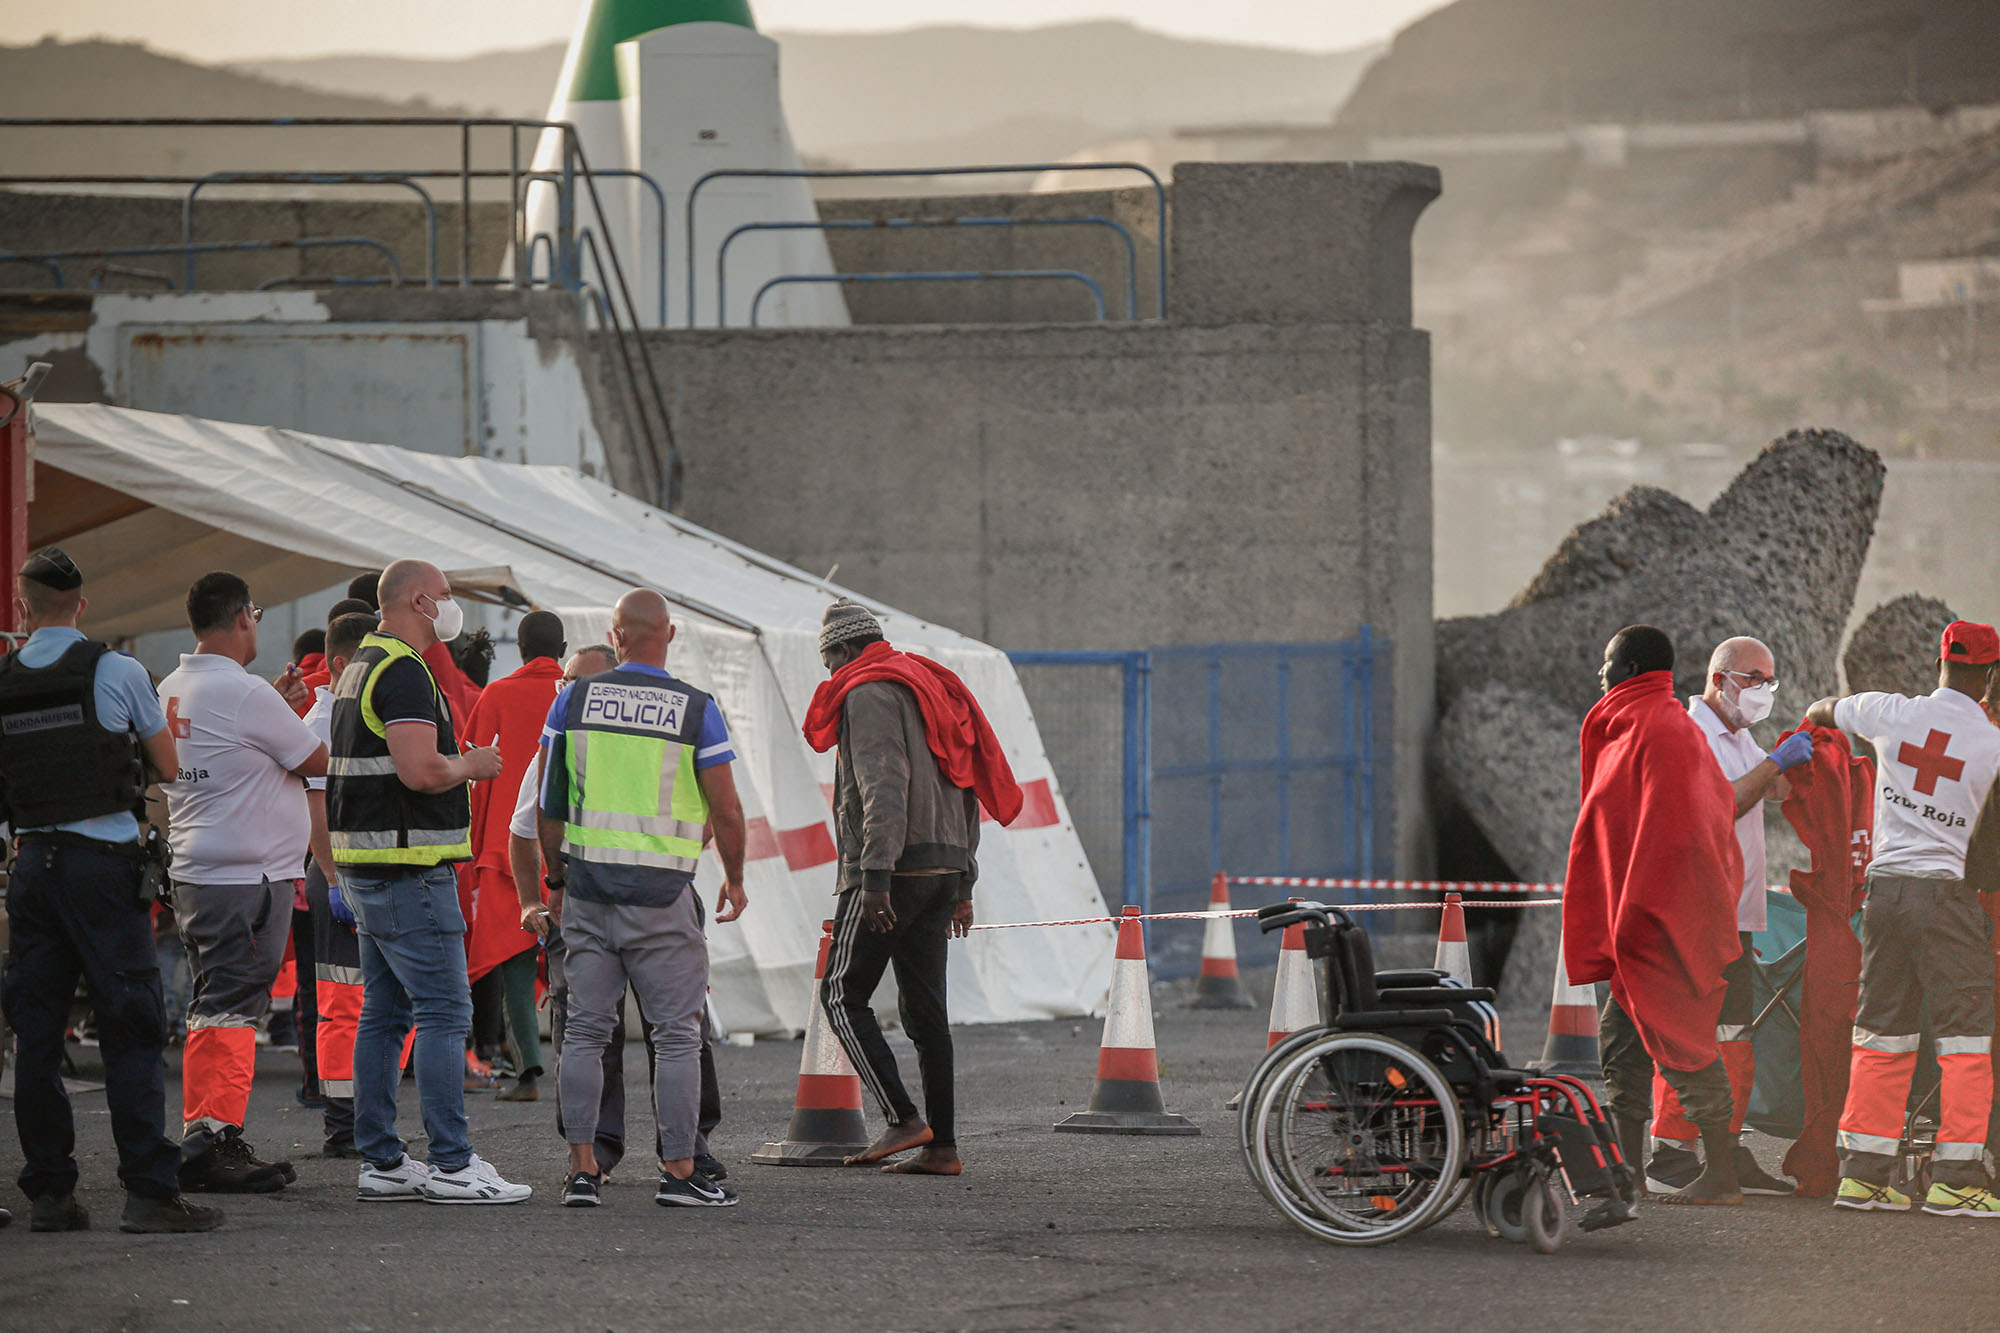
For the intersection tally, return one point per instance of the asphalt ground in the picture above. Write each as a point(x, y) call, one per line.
point(1043, 1231)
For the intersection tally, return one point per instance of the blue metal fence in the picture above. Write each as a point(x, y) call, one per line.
point(1249, 758)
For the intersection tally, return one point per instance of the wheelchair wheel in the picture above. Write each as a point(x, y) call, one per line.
point(1364, 1139)
point(1503, 1213)
point(1253, 1091)
point(1545, 1210)
point(1455, 1196)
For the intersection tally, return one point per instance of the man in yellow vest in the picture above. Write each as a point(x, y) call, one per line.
point(399, 817)
point(635, 765)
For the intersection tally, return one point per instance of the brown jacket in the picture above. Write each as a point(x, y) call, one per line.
point(893, 811)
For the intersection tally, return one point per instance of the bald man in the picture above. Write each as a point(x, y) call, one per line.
point(1742, 686)
point(399, 817)
point(621, 835)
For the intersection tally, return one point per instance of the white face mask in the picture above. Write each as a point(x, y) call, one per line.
point(449, 620)
point(1754, 703)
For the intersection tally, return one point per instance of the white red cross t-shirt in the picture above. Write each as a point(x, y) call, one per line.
point(235, 813)
point(1935, 758)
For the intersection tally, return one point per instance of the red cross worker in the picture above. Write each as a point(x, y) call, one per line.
point(1926, 942)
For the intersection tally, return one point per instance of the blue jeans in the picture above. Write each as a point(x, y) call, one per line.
point(412, 938)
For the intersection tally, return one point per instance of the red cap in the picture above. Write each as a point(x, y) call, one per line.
point(1969, 642)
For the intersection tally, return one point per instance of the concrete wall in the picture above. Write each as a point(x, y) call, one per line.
point(1257, 467)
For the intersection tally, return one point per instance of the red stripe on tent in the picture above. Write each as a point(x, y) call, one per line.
point(807, 847)
point(829, 1092)
point(1038, 806)
point(1573, 1020)
point(759, 842)
point(1132, 1064)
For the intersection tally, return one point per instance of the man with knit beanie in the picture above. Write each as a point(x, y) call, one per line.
point(917, 760)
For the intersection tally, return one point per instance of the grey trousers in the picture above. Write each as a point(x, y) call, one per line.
point(235, 937)
point(661, 952)
point(1628, 1076)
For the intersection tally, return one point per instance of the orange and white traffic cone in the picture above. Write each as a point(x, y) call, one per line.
point(1220, 987)
point(1126, 1098)
point(1294, 994)
point(827, 1125)
point(1572, 1045)
point(1454, 956)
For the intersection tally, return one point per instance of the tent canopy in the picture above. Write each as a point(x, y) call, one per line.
point(146, 502)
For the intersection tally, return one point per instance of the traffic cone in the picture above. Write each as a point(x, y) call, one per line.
point(826, 1115)
point(1219, 987)
point(1454, 956)
point(1126, 1098)
point(1572, 1045)
point(1294, 994)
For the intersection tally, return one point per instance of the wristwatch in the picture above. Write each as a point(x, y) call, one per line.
point(555, 885)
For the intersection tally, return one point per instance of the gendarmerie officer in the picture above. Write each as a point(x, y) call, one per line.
point(79, 728)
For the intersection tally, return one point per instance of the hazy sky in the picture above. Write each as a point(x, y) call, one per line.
point(219, 30)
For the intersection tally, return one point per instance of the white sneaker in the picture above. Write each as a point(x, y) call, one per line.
point(475, 1182)
point(405, 1180)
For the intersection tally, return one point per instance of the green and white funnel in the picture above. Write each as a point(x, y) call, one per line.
point(677, 89)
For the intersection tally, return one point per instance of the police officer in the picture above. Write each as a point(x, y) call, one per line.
point(634, 764)
point(79, 727)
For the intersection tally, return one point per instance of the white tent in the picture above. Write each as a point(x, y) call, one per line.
point(146, 501)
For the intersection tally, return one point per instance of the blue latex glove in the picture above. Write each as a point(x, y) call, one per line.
point(1794, 750)
point(338, 906)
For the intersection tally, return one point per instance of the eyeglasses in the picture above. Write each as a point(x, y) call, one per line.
point(256, 613)
point(1752, 679)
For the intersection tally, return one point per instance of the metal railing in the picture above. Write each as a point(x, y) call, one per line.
point(870, 224)
point(968, 275)
point(571, 177)
point(869, 173)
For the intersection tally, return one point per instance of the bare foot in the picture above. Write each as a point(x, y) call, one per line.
point(912, 1133)
point(1711, 1189)
point(939, 1159)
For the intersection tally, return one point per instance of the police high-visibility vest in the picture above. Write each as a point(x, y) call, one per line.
point(629, 745)
point(372, 818)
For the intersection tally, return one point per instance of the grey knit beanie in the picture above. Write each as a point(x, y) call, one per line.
point(847, 619)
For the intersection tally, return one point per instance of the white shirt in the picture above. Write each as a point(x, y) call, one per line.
point(319, 721)
point(1935, 758)
point(527, 800)
point(236, 813)
point(1738, 754)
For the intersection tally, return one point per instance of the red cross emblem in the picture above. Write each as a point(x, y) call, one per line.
point(178, 725)
point(1931, 762)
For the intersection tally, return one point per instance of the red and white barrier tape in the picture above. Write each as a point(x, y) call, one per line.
point(1394, 885)
point(1249, 912)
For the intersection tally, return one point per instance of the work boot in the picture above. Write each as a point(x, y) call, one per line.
point(1717, 1185)
point(147, 1215)
point(228, 1167)
point(58, 1212)
point(238, 1149)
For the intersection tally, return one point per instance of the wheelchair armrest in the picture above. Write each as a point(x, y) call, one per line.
point(1368, 1019)
point(1436, 994)
point(1426, 976)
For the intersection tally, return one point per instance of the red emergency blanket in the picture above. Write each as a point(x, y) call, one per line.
point(1649, 899)
point(967, 751)
point(510, 712)
point(1831, 806)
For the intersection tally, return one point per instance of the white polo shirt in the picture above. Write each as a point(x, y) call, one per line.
point(1935, 758)
point(527, 800)
point(235, 812)
point(319, 721)
point(1738, 754)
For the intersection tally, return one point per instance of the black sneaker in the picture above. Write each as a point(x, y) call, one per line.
point(59, 1212)
point(710, 1166)
point(1754, 1179)
point(581, 1190)
point(697, 1191)
point(229, 1168)
point(1671, 1169)
point(144, 1215)
point(340, 1148)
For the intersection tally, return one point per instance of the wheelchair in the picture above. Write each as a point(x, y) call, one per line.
point(1400, 1107)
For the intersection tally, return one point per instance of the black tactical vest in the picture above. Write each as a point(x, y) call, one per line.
point(56, 763)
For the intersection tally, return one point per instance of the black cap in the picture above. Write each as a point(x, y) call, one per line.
point(53, 569)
